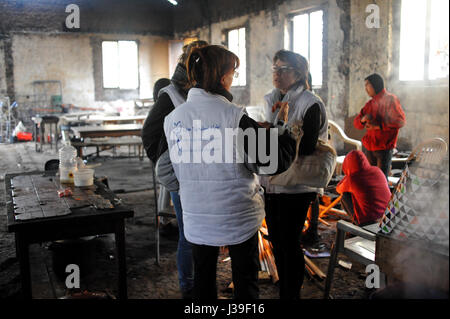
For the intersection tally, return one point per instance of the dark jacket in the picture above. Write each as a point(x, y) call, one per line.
point(152, 132)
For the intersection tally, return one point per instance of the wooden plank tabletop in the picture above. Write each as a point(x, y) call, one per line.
point(115, 119)
point(36, 193)
point(112, 130)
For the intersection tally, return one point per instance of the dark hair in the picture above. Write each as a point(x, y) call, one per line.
point(158, 86)
point(377, 82)
point(296, 61)
point(187, 48)
point(207, 65)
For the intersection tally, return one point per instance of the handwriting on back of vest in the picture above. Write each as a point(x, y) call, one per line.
point(215, 144)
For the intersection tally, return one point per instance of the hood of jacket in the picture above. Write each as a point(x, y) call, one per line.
point(355, 161)
point(180, 80)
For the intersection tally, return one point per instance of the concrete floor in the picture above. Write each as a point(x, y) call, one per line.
point(131, 179)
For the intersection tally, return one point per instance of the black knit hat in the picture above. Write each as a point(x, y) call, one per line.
point(377, 82)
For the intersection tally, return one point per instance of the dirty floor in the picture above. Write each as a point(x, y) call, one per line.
point(131, 179)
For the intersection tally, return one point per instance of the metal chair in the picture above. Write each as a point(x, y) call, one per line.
point(429, 152)
point(162, 208)
point(337, 135)
point(361, 248)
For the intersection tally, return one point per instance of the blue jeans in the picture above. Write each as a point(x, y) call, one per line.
point(185, 263)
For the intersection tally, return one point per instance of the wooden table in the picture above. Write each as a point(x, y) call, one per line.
point(63, 218)
point(107, 130)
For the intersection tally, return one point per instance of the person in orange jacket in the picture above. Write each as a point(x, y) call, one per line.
point(382, 117)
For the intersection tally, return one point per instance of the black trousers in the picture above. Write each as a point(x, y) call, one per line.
point(285, 218)
point(381, 159)
point(244, 268)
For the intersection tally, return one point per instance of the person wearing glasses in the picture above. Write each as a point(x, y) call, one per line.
point(222, 200)
point(287, 207)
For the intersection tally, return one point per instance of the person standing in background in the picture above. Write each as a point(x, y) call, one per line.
point(382, 117)
point(155, 144)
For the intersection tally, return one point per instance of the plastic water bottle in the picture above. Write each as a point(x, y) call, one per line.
point(67, 163)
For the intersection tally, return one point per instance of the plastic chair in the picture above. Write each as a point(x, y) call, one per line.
point(335, 135)
point(360, 248)
point(429, 152)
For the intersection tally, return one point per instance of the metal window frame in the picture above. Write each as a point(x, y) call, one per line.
point(225, 32)
point(426, 72)
point(290, 26)
point(137, 52)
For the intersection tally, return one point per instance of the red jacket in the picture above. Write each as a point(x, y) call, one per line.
point(387, 113)
point(368, 186)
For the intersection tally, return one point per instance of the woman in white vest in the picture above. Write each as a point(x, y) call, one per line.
point(221, 198)
point(287, 207)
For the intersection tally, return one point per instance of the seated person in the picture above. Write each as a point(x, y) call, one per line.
point(365, 190)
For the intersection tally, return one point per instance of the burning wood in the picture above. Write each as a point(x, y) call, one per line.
point(325, 210)
point(266, 257)
point(336, 211)
point(310, 271)
point(324, 222)
point(314, 268)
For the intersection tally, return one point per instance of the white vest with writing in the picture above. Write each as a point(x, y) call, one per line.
point(222, 201)
point(173, 93)
point(299, 100)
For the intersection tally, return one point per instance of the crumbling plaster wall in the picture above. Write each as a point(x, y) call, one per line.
point(265, 36)
point(352, 51)
point(68, 57)
point(36, 45)
point(2, 70)
point(370, 51)
point(426, 109)
point(377, 50)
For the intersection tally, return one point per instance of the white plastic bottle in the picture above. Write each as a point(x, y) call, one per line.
point(67, 163)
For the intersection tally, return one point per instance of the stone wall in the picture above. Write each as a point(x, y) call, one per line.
point(69, 58)
point(265, 36)
point(2, 70)
point(96, 16)
point(35, 44)
point(352, 51)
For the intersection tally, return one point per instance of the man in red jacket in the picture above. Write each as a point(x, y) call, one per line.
point(382, 116)
point(365, 190)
